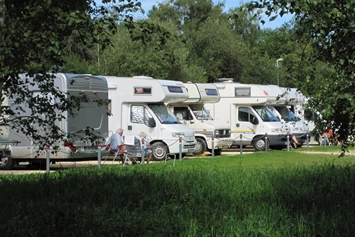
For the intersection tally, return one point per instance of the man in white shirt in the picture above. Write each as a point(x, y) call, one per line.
point(117, 145)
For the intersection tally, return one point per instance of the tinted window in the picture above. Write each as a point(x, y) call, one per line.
point(211, 92)
point(142, 90)
point(175, 89)
point(242, 92)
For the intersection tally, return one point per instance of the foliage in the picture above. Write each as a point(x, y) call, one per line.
point(256, 194)
point(33, 37)
point(157, 57)
point(199, 41)
point(329, 26)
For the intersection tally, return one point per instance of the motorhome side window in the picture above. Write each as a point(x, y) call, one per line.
point(242, 92)
point(175, 89)
point(211, 92)
point(109, 107)
point(142, 90)
point(139, 114)
point(182, 113)
point(245, 114)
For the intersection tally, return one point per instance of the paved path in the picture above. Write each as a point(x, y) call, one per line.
point(66, 165)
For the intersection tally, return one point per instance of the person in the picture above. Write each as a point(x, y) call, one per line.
point(117, 144)
point(295, 142)
point(147, 147)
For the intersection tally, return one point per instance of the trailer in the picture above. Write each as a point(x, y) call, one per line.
point(21, 148)
point(193, 114)
point(243, 108)
point(138, 104)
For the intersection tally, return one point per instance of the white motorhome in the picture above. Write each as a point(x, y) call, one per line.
point(297, 102)
point(294, 100)
point(90, 115)
point(192, 113)
point(138, 105)
point(243, 108)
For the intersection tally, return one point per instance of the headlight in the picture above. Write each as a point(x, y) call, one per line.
point(276, 130)
point(178, 134)
point(216, 132)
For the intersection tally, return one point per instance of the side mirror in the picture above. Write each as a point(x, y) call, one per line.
point(151, 123)
point(254, 121)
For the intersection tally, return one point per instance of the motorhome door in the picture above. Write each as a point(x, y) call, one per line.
point(246, 123)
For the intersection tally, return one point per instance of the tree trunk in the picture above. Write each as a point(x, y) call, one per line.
point(2, 24)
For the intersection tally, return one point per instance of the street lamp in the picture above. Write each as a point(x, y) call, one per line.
point(277, 67)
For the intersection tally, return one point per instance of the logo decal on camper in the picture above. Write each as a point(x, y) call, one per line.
point(265, 92)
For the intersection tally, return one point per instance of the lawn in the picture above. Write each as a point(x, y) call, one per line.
point(276, 193)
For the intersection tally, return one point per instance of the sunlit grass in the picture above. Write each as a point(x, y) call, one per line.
point(277, 193)
point(327, 148)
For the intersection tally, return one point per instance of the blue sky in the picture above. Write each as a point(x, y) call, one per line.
point(147, 5)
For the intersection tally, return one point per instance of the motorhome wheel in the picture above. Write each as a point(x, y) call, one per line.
point(6, 163)
point(200, 147)
point(159, 150)
point(259, 144)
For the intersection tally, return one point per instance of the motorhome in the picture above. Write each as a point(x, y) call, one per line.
point(90, 115)
point(297, 102)
point(290, 112)
point(138, 104)
point(192, 113)
point(243, 108)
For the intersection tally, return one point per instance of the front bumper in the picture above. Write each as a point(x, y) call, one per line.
point(220, 143)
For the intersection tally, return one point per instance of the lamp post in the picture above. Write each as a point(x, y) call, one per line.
point(277, 67)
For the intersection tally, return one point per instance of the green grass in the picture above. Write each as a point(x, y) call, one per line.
point(276, 193)
point(330, 148)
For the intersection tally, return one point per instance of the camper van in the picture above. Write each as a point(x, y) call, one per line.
point(290, 112)
point(243, 108)
point(192, 113)
point(90, 115)
point(138, 104)
point(297, 102)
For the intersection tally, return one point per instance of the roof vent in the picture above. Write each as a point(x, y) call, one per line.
point(225, 80)
point(142, 77)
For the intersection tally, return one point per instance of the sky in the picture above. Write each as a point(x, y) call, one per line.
point(147, 5)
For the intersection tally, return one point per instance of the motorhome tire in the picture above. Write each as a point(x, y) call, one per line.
point(160, 150)
point(259, 144)
point(6, 163)
point(200, 146)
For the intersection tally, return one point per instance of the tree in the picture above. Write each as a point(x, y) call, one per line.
point(214, 50)
point(32, 40)
point(329, 26)
point(131, 56)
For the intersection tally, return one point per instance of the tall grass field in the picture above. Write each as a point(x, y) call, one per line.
point(273, 193)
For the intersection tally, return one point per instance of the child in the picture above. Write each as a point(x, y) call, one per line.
point(147, 146)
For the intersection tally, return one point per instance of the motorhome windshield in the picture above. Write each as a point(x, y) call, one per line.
point(265, 114)
point(200, 112)
point(165, 116)
point(286, 113)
